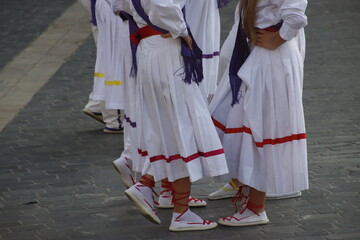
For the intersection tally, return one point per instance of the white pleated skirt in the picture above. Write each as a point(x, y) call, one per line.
point(203, 18)
point(175, 134)
point(264, 134)
point(130, 123)
point(103, 57)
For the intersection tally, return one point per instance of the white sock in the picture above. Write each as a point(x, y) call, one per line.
point(188, 216)
point(146, 192)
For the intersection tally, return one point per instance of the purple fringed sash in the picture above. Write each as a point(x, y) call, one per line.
point(240, 53)
point(93, 16)
point(192, 58)
point(222, 3)
point(133, 27)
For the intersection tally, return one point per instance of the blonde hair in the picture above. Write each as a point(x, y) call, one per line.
point(247, 12)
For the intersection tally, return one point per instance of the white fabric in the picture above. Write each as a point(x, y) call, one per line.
point(187, 216)
point(204, 21)
point(112, 118)
point(174, 130)
point(270, 107)
point(165, 14)
point(103, 57)
point(130, 125)
point(228, 47)
point(94, 105)
point(114, 79)
point(172, 115)
point(271, 12)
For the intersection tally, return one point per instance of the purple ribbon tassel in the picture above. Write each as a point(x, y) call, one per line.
point(192, 61)
point(240, 53)
point(93, 16)
point(133, 27)
point(222, 3)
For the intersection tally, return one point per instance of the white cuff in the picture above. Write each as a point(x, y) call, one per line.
point(287, 33)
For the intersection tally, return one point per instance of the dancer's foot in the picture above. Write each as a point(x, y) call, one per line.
point(123, 167)
point(142, 197)
point(189, 221)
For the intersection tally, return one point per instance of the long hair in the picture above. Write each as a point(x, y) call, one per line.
point(247, 12)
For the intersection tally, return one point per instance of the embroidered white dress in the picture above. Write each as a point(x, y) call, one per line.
point(114, 81)
point(103, 55)
point(203, 18)
point(129, 86)
point(264, 134)
point(176, 136)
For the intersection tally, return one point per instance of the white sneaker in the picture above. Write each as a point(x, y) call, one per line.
point(196, 202)
point(246, 218)
point(94, 115)
point(166, 198)
point(274, 196)
point(142, 197)
point(189, 221)
point(229, 190)
point(123, 167)
point(166, 201)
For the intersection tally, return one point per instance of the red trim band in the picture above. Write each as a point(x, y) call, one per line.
point(178, 156)
point(142, 33)
point(269, 141)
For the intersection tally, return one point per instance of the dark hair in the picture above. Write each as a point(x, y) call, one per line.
point(247, 12)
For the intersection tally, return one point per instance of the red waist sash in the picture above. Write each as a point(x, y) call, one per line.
point(142, 33)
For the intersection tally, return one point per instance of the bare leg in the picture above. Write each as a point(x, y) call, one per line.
point(257, 199)
point(181, 194)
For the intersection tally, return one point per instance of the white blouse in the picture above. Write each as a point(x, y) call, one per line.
point(114, 4)
point(292, 12)
point(165, 14)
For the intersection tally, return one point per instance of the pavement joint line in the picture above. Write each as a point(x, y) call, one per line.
point(31, 69)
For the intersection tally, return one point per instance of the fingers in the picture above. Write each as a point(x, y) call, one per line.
point(166, 35)
point(188, 41)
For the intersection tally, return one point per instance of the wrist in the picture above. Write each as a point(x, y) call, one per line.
point(278, 41)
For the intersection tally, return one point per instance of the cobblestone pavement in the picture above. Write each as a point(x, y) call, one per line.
point(57, 181)
point(21, 21)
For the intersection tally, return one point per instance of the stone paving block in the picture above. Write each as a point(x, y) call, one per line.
point(31, 23)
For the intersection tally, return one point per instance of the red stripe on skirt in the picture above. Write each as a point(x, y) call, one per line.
point(269, 141)
point(178, 156)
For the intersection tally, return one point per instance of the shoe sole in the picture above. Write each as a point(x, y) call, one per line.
point(113, 132)
point(172, 206)
point(192, 228)
point(284, 196)
point(93, 116)
point(165, 206)
point(122, 176)
point(143, 210)
point(198, 204)
point(243, 224)
point(220, 197)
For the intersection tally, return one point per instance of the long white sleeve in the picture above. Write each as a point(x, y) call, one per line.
point(293, 14)
point(167, 14)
